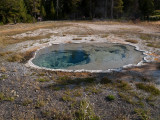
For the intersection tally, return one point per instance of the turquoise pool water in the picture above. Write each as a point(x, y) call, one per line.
point(97, 56)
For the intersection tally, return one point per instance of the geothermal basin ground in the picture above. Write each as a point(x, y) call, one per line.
point(28, 91)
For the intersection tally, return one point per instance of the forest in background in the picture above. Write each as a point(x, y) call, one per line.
point(15, 11)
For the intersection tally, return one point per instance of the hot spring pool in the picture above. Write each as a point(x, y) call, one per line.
point(87, 56)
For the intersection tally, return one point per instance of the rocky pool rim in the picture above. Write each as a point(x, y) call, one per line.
point(144, 60)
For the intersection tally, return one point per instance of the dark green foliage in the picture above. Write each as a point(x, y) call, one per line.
point(146, 7)
point(13, 11)
point(105, 80)
point(110, 98)
point(52, 11)
point(43, 11)
point(118, 8)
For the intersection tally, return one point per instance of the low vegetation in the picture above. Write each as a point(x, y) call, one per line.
point(122, 85)
point(42, 80)
point(86, 111)
point(110, 97)
point(40, 103)
point(4, 97)
point(77, 39)
point(3, 69)
point(105, 80)
point(142, 114)
point(154, 45)
point(148, 88)
point(15, 58)
point(26, 102)
point(127, 98)
point(3, 77)
point(132, 41)
point(67, 80)
point(145, 37)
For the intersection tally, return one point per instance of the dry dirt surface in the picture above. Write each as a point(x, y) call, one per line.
point(28, 93)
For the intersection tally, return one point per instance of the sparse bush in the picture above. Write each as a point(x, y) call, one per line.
point(26, 102)
point(127, 98)
point(15, 58)
point(78, 93)
point(145, 37)
point(153, 45)
point(105, 80)
point(105, 36)
point(54, 87)
point(66, 80)
point(148, 88)
point(123, 85)
point(77, 39)
point(85, 112)
point(3, 77)
point(67, 98)
point(56, 115)
point(3, 97)
point(92, 90)
point(39, 103)
point(42, 80)
point(142, 114)
point(132, 41)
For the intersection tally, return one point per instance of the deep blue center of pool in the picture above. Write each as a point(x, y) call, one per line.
point(63, 59)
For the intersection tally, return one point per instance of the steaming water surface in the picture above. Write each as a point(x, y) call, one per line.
point(98, 56)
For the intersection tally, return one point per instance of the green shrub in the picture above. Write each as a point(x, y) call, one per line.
point(110, 97)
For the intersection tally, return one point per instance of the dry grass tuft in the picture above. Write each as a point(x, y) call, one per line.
point(5, 53)
point(15, 58)
point(3, 69)
point(132, 41)
point(77, 39)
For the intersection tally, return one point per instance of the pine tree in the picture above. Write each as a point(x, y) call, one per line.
point(23, 11)
point(52, 11)
point(146, 7)
point(43, 12)
point(10, 10)
point(118, 8)
point(34, 6)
